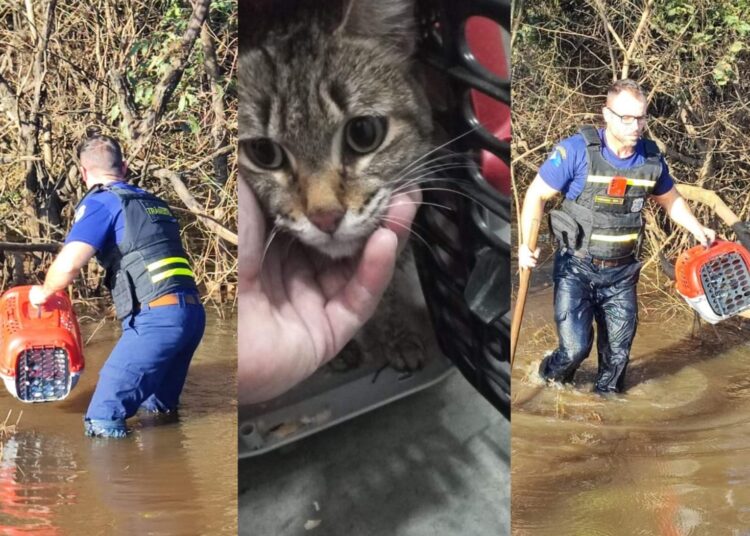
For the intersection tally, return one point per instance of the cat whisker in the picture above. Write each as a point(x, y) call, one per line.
point(446, 207)
point(439, 147)
point(408, 222)
point(447, 156)
point(433, 170)
point(271, 236)
point(425, 177)
point(435, 166)
point(436, 163)
point(458, 192)
point(418, 185)
point(411, 231)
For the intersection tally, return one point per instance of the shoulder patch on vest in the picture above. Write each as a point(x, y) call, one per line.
point(79, 213)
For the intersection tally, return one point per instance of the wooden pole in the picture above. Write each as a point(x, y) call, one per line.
point(523, 290)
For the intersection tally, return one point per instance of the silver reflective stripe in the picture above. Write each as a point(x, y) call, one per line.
point(615, 238)
point(605, 179)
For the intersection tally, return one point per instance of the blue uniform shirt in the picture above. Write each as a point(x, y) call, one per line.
point(567, 166)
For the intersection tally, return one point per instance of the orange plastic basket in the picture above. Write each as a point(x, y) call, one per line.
point(41, 355)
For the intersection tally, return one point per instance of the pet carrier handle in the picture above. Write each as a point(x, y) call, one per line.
point(523, 290)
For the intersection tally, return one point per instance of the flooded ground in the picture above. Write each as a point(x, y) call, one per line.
point(177, 478)
point(670, 457)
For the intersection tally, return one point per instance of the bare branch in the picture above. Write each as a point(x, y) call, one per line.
point(164, 90)
point(218, 127)
point(187, 198)
point(641, 25)
point(52, 247)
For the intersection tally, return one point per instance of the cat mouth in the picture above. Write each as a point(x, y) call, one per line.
point(339, 249)
point(351, 236)
point(347, 241)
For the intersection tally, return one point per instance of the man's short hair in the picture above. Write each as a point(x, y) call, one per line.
point(100, 152)
point(626, 84)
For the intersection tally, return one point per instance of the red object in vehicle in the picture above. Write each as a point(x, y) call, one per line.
point(41, 355)
point(715, 281)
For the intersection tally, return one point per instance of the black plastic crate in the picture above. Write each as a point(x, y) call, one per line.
point(465, 265)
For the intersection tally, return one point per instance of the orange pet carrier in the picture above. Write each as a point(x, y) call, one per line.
point(41, 354)
point(715, 281)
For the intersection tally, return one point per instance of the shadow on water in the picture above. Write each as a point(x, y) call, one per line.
point(168, 477)
point(670, 457)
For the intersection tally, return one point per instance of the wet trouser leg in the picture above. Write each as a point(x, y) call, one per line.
point(617, 320)
point(166, 397)
point(574, 313)
point(154, 343)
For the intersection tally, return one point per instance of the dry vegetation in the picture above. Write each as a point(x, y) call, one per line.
point(690, 56)
point(157, 74)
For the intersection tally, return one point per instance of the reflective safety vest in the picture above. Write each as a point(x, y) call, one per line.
point(607, 213)
point(149, 261)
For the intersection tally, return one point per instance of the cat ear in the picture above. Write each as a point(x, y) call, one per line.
point(389, 20)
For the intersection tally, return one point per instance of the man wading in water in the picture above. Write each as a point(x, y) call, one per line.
point(135, 236)
point(605, 175)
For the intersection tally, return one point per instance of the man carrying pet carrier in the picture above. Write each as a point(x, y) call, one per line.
point(136, 238)
point(605, 176)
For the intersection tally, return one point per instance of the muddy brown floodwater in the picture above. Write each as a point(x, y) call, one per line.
point(671, 457)
point(176, 478)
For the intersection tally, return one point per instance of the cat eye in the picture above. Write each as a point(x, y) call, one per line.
point(365, 134)
point(265, 153)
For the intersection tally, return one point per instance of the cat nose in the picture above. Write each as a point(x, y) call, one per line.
point(326, 220)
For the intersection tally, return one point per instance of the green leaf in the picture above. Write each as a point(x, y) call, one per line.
point(114, 113)
point(195, 127)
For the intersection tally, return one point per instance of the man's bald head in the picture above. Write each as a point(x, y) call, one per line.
point(101, 155)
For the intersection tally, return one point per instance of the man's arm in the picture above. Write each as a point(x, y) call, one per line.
point(679, 211)
point(72, 257)
point(536, 198)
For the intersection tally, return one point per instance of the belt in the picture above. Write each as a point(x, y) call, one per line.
point(174, 299)
point(605, 263)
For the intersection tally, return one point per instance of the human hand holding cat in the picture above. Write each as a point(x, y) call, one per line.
point(297, 313)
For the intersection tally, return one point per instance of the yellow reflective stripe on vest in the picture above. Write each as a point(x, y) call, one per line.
point(155, 278)
point(169, 260)
point(605, 179)
point(615, 238)
point(169, 273)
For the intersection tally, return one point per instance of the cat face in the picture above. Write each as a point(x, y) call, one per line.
point(329, 119)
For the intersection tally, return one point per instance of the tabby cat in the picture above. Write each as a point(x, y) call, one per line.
point(331, 120)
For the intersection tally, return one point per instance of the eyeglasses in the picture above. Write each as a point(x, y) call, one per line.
point(629, 119)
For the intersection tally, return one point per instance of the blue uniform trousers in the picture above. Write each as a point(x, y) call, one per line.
point(584, 294)
point(149, 364)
